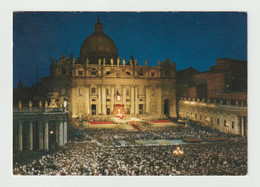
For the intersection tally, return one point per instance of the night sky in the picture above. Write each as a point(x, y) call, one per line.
point(187, 38)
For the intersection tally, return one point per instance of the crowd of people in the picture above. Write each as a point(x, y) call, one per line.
point(146, 117)
point(152, 117)
point(89, 158)
point(168, 133)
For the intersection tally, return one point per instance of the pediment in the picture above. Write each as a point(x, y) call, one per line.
point(118, 74)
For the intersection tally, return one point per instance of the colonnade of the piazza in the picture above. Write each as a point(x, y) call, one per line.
point(222, 120)
point(150, 98)
point(39, 134)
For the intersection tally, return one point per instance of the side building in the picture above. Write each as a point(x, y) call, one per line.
point(224, 87)
point(215, 114)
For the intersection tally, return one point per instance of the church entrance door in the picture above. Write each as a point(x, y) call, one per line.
point(166, 107)
point(93, 109)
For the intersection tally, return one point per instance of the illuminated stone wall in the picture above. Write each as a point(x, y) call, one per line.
point(226, 117)
point(91, 89)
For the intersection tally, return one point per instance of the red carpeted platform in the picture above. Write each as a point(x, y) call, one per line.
point(137, 128)
point(161, 121)
point(101, 122)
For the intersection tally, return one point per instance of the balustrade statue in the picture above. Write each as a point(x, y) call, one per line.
point(136, 62)
point(118, 61)
point(146, 62)
point(20, 104)
point(46, 104)
point(30, 104)
point(40, 104)
point(131, 63)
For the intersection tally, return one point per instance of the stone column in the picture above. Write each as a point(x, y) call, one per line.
point(245, 125)
point(99, 100)
point(136, 100)
point(159, 100)
point(104, 100)
point(61, 134)
point(40, 135)
point(73, 101)
point(124, 97)
point(15, 137)
point(230, 123)
point(65, 132)
point(112, 97)
point(57, 131)
point(147, 100)
point(87, 101)
point(132, 100)
point(46, 135)
point(221, 122)
point(20, 135)
point(242, 125)
point(236, 125)
point(30, 135)
point(173, 110)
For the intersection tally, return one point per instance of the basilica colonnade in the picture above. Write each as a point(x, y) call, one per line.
point(39, 130)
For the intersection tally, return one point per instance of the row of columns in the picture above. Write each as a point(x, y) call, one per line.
point(240, 122)
point(243, 126)
point(42, 134)
point(101, 102)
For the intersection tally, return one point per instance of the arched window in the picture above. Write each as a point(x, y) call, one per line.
point(93, 90)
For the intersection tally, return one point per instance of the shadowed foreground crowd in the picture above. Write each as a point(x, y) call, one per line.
point(88, 158)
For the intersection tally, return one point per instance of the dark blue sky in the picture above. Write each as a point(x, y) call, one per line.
point(188, 38)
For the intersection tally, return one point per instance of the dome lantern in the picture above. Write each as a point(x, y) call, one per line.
point(98, 27)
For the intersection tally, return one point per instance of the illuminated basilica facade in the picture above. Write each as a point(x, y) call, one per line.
point(99, 82)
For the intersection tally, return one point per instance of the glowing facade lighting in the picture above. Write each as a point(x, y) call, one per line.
point(118, 98)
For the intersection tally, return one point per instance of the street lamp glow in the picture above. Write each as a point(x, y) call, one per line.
point(178, 152)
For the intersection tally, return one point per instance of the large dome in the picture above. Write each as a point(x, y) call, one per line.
point(98, 45)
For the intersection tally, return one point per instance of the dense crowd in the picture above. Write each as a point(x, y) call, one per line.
point(154, 133)
point(146, 117)
point(152, 116)
point(89, 158)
